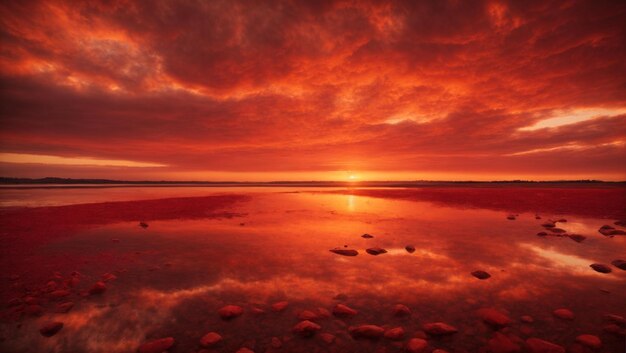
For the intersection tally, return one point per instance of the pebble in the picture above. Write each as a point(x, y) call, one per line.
point(34, 310)
point(244, 350)
point(613, 329)
point(143, 225)
point(366, 331)
point(564, 314)
point(590, 341)
point(621, 264)
point(343, 311)
point(157, 346)
point(51, 328)
point(500, 343)
point(616, 319)
point(401, 310)
point(308, 315)
point(306, 328)
point(58, 294)
point(410, 249)
point(230, 311)
point(345, 252)
point(257, 311)
point(536, 345)
point(601, 268)
point(327, 337)
point(276, 342)
point(376, 251)
point(481, 274)
point(439, 329)
point(493, 317)
point(367, 236)
point(557, 230)
point(280, 306)
point(548, 225)
point(579, 238)
point(527, 319)
point(416, 345)
point(210, 339)
point(511, 217)
point(542, 234)
point(108, 277)
point(394, 334)
point(98, 288)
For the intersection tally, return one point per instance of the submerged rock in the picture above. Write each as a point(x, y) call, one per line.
point(439, 329)
point(64, 307)
point(548, 225)
point(500, 343)
point(367, 236)
point(416, 345)
point(557, 230)
point(610, 231)
point(366, 331)
point(621, 264)
point(60, 293)
point(345, 252)
point(577, 237)
point(308, 315)
point(376, 251)
point(410, 249)
point(401, 310)
point(511, 217)
point(616, 319)
point(244, 350)
point(230, 311)
point(157, 346)
point(210, 339)
point(51, 328)
point(481, 274)
point(542, 234)
point(536, 345)
point(493, 317)
point(306, 328)
point(590, 341)
point(280, 306)
point(527, 319)
point(564, 314)
point(276, 342)
point(143, 225)
point(98, 288)
point(601, 268)
point(343, 311)
point(327, 337)
point(394, 334)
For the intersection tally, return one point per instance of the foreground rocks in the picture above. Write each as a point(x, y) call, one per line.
point(51, 328)
point(157, 346)
point(493, 317)
point(590, 341)
point(439, 329)
point(345, 252)
point(341, 310)
point(481, 274)
point(621, 264)
point(306, 328)
point(210, 339)
point(230, 312)
point(416, 345)
point(376, 251)
point(564, 314)
point(602, 268)
point(536, 345)
point(366, 331)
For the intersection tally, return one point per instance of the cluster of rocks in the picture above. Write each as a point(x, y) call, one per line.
point(372, 251)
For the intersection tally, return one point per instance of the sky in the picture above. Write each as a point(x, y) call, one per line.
point(313, 90)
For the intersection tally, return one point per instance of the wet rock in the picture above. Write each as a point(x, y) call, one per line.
point(276, 342)
point(614, 330)
point(481, 274)
point(143, 225)
point(51, 328)
point(367, 236)
point(564, 314)
point(230, 312)
point(439, 329)
point(308, 315)
point(579, 238)
point(493, 317)
point(542, 234)
point(548, 225)
point(367, 331)
point(60, 293)
point(345, 252)
point(376, 251)
point(527, 319)
point(14, 302)
point(500, 343)
point(401, 310)
point(601, 268)
point(610, 231)
point(210, 339)
point(244, 350)
point(340, 296)
point(33, 310)
point(394, 334)
point(31, 300)
point(341, 310)
point(323, 313)
point(621, 264)
point(157, 346)
point(439, 351)
point(257, 311)
point(410, 249)
point(98, 288)
point(621, 223)
point(616, 319)
point(590, 341)
point(536, 345)
point(416, 345)
point(280, 306)
point(557, 230)
point(108, 277)
point(306, 328)
point(327, 337)
point(511, 217)
point(64, 307)
point(562, 220)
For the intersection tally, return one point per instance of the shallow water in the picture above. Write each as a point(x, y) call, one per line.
point(266, 246)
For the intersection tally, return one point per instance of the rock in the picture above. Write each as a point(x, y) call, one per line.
point(439, 329)
point(340, 296)
point(613, 329)
point(306, 328)
point(345, 252)
point(557, 230)
point(108, 277)
point(376, 251)
point(308, 315)
point(577, 237)
point(548, 225)
point(616, 319)
point(51, 328)
point(394, 334)
point(156, 346)
point(366, 331)
point(60, 293)
point(244, 350)
point(367, 236)
point(500, 343)
point(410, 249)
point(621, 223)
point(601, 268)
point(327, 337)
point(210, 339)
point(276, 342)
point(590, 341)
point(14, 302)
point(64, 307)
point(511, 217)
point(562, 220)
point(98, 288)
point(439, 351)
point(280, 306)
point(230, 311)
point(527, 319)
point(536, 345)
point(401, 310)
point(323, 313)
point(143, 225)
point(481, 274)
point(343, 311)
point(610, 231)
point(416, 345)
point(621, 264)
point(257, 311)
point(493, 317)
point(33, 310)
point(564, 314)
point(542, 234)
point(115, 240)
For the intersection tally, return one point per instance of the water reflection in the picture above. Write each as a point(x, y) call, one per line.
point(255, 251)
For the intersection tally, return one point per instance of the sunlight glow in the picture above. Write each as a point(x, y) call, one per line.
point(87, 161)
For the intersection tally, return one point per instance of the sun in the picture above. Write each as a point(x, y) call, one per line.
point(352, 177)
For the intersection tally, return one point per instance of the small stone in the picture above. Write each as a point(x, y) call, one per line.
point(536, 345)
point(64, 307)
point(210, 339)
point(616, 319)
point(376, 251)
point(410, 249)
point(323, 313)
point(439, 329)
point(306, 328)
point(481, 274)
point(511, 217)
point(108, 277)
point(51, 328)
point(367, 236)
point(579, 238)
point(244, 350)
point(327, 337)
point(280, 306)
point(366, 331)
point(564, 314)
point(58, 294)
point(548, 225)
point(98, 288)
point(439, 351)
point(230, 311)
point(557, 230)
point(33, 310)
point(143, 225)
point(527, 319)
point(613, 329)
point(401, 310)
point(493, 317)
point(562, 220)
point(308, 315)
point(343, 311)
point(590, 341)
point(542, 234)
point(14, 302)
point(340, 296)
point(601, 268)
point(345, 252)
point(157, 346)
point(500, 343)
point(394, 334)
point(416, 345)
point(276, 342)
point(257, 311)
point(621, 264)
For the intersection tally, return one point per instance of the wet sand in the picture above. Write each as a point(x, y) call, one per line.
point(267, 253)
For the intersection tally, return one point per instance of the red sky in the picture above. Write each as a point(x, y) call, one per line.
point(227, 90)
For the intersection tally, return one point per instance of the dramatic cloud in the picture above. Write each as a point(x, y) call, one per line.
point(311, 90)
